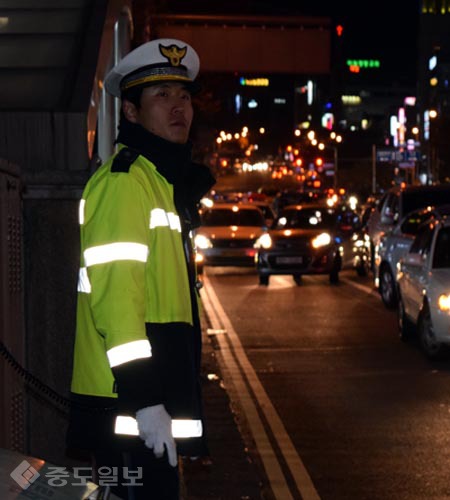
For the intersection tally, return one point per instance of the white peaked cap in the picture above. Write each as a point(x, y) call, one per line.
point(162, 60)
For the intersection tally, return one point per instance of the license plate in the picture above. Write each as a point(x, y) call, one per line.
point(229, 253)
point(289, 260)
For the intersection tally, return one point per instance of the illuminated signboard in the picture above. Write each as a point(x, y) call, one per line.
point(355, 65)
point(254, 82)
point(432, 63)
point(351, 100)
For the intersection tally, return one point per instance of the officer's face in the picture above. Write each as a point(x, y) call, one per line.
point(166, 111)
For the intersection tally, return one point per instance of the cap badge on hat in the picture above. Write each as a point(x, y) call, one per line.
point(173, 53)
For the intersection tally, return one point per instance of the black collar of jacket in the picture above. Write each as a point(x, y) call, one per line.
point(191, 180)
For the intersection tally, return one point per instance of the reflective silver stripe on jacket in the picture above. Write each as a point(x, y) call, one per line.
point(84, 285)
point(137, 349)
point(81, 211)
point(161, 218)
point(158, 217)
point(181, 428)
point(115, 251)
point(109, 253)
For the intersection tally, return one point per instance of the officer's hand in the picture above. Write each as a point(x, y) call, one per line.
point(155, 428)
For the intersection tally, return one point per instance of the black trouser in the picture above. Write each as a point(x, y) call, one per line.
point(157, 479)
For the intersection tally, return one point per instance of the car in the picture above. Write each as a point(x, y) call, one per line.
point(396, 203)
point(266, 209)
point(228, 233)
point(309, 239)
point(395, 244)
point(424, 289)
point(353, 240)
point(291, 196)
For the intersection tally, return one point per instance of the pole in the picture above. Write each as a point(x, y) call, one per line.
point(374, 169)
point(335, 167)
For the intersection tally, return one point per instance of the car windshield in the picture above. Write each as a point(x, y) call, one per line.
point(347, 220)
point(422, 198)
point(232, 217)
point(306, 218)
point(442, 249)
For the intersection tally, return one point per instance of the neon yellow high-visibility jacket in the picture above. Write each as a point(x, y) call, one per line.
point(136, 342)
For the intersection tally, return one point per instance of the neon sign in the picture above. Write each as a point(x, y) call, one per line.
point(254, 82)
point(355, 65)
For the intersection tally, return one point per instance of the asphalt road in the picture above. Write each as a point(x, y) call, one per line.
point(335, 405)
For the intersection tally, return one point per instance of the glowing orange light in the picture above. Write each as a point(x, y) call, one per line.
point(339, 29)
point(316, 183)
point(319, 162)
point(354, 69)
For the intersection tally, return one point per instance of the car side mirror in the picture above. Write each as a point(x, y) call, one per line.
point(387, 218)
point(414, 259)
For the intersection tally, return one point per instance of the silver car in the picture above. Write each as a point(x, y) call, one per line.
point(424, 289)
point(394, 244)
point(396, 203)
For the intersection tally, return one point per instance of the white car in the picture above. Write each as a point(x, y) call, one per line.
point(394, 244)
point(399, 201)
point(424, 289)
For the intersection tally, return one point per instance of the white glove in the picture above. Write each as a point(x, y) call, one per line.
point(155, 428)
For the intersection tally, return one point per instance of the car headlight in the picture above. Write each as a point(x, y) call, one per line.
point(202, 242)
point(322, 240)
point(264, 241)
point(444, 303)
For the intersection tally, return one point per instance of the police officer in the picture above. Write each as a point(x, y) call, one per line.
point(135, 383)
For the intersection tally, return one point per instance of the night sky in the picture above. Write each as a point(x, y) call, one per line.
point(383, 29)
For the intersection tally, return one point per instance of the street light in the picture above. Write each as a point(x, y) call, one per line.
point(430, 134)
point(338, 139)
point(330, 145)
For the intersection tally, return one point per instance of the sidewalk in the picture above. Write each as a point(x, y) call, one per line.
point(231, 473)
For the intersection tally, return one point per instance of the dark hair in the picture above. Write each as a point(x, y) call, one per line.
point(133, 95)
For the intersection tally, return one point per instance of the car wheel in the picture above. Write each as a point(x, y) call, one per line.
point(405, 326)
point(297, 279)
point(264, 279)
point(334, 276)
point(334, 273)
point(372, 257)
point(388, 288)
point(430, 345)
point(362, 268)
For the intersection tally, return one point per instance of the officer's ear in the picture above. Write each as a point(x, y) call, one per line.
point(130, 111)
